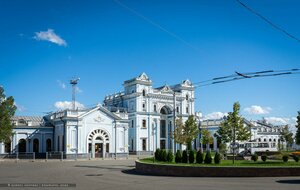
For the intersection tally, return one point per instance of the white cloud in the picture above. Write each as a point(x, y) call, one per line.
point(61, 84)
point(20, 108)
point(278, 120)
point(215, 115)
point(61, 105)
point(50, 36)
point(257, 110)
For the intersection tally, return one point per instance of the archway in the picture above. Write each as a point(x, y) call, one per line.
point(98, 143)
point(166, 118)
point(22, 145)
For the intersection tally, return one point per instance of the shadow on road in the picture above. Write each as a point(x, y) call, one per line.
point(289, 181)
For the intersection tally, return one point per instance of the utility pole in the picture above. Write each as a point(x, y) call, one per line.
point(174, 123)
point(233, 145)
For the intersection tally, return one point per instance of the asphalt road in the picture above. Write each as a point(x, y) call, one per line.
point(120, 174)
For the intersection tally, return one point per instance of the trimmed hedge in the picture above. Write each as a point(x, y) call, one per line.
point(254, 157)
point(178, 156)
point(170, 156)
point(157, 154)
point(199, 157)
point(184, 157)
point(208, 158)
point(217, 158)
point(191, 156)
point(296, 158)
point(285, 158)
point(264, 158)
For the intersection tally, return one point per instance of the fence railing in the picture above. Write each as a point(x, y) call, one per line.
point(57, 156)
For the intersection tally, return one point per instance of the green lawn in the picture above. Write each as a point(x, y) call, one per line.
point(238, 163)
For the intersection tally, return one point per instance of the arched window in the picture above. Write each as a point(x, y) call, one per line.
point(22, 145)
point(270, 140)
point(154, 108)
point(36, 145)
point(144, 92)
point(187, 97)
point(265, 140)
point(259, 140)
point(48, 145)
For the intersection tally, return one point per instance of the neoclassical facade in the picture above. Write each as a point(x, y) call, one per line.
point(151, 111)
point(96, 132)
point(261, 131)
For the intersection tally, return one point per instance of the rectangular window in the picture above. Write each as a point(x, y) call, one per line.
point(177, 109)
point(144, 106)
point(154, 108)
point(132, 123)
point(162, 128)
point(144, 125)
point(144, 145)
point(187, 110)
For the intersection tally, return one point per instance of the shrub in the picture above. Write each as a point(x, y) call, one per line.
point(178, 157)
point(170, 156)
point(296, 158)
point(285, 157)
point(164, 155)
point(157, 154)
point(254, 157)
point(208, 158)
point(191, 157)
point(184, 157)
point(217, 158)
point(199, 157)
point(263, 157)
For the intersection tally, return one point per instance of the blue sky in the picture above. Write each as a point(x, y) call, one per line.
point(104, 44)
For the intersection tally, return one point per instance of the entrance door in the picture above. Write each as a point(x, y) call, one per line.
point(98, 150)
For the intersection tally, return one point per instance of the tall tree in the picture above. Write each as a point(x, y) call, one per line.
point(233, 123)
point(287, 136)
point(7, 111)
point(297, 136)
point(206, 137)
point(186, 132)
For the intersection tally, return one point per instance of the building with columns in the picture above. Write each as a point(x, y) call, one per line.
point(94, 131)
point(151, 111)
point(261, 131)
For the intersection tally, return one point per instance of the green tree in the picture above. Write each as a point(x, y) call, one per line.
point(287, 136)
point(232, 129)
point(233, 122)
point(186, 132)
point(297, 137)
point(7, 111)
point(206, 137)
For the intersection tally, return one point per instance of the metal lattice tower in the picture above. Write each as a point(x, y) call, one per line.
point(74, 82)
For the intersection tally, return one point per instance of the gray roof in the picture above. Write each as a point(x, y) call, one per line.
point(28, 118)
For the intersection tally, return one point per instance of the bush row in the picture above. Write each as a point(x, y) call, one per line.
point(264, 157)
point(187, 157)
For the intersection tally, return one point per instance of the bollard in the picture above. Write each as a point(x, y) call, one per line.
point(46, 156)
point(33, 156)
point(61, 156)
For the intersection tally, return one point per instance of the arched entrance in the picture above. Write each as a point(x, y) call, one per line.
point(22, 145)
point(98, 143)
point(165, 127)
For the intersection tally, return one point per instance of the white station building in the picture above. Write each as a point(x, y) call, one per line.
point(151, 111)
point(139, 119)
